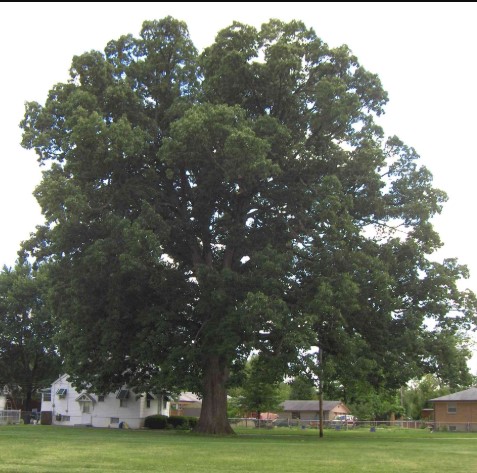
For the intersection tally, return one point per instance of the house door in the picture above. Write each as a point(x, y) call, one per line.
point(46, 418)
point(86, 416)
point(86, 419)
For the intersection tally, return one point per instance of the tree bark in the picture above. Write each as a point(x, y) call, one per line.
point(213, 415)
point(27, 403)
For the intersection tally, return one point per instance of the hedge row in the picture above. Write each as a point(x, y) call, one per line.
point(173, 422)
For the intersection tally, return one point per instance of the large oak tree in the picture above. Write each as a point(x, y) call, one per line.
point(201, 206)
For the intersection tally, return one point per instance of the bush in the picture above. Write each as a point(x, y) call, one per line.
point(193, 421)
point(156, 422)
point(172, 422)
point(178, 422)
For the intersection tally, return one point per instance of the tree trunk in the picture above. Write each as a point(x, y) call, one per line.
point(213, 415)
point(27, 402)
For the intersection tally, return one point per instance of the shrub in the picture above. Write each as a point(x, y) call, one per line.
point(156, 422)
point(172, 422)
point(178, 421)
point(193, 421)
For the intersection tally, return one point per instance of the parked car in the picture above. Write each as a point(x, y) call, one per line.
point(343, 419)
point(283, 422)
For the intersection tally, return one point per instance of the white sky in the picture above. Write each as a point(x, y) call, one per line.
point(424, 54)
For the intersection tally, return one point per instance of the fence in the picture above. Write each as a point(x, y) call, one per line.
point(342, 425)
point(15, 417)
point(9, 417)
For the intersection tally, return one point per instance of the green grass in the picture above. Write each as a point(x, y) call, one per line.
point(36, 448)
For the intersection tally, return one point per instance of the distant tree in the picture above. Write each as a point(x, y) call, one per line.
point(235, 408)
point(303, 388)
point(201, 207)
point(449, 353)
point(28, 358)
point(378, 405)
point(259, 392)
point(389, 302)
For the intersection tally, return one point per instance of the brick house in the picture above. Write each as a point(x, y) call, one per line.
point(456, 412)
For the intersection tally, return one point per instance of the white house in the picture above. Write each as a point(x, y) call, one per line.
point(3, 400)
point(63, 405)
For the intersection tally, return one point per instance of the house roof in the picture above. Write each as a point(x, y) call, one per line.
point(85, 397)
point(188, 397)
point(309, 405)
point(60, 378)
point(466, 395)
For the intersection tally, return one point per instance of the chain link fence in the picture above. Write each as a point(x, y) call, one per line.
point(9, 416)
point(303, 424)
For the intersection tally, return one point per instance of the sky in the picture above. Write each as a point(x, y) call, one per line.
point(423, 52)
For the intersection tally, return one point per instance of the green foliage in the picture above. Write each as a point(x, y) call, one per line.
point(449, 350)
point(378, 405)
point(235, 408)
point(416, 395)
point(259, 391)
point(156, 421)
point(177, 421)
point(28, 357)
point(199, 207)
point(303, 388)
point(192, 422)
point(162, 422)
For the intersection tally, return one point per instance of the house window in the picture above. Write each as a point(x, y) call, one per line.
point(61, 393)
point(123, 394)
point(101, 398)
point(452, 428)
point(295, 415)
point(47, 396)
point(114, 420)
point(451, 408)
point(148, 403)
point(86, 407)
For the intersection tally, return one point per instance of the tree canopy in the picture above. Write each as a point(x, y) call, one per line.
point(28, 356)
point(258, 393)
point(202, 206)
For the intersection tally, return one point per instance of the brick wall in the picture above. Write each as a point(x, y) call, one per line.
point(465, 412)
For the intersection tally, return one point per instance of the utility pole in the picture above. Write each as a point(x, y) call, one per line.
point(320, 387)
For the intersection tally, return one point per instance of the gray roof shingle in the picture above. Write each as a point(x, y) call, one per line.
point(309, 405)
point(467, 395)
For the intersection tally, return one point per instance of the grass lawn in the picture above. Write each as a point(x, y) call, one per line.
point(36, 448)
